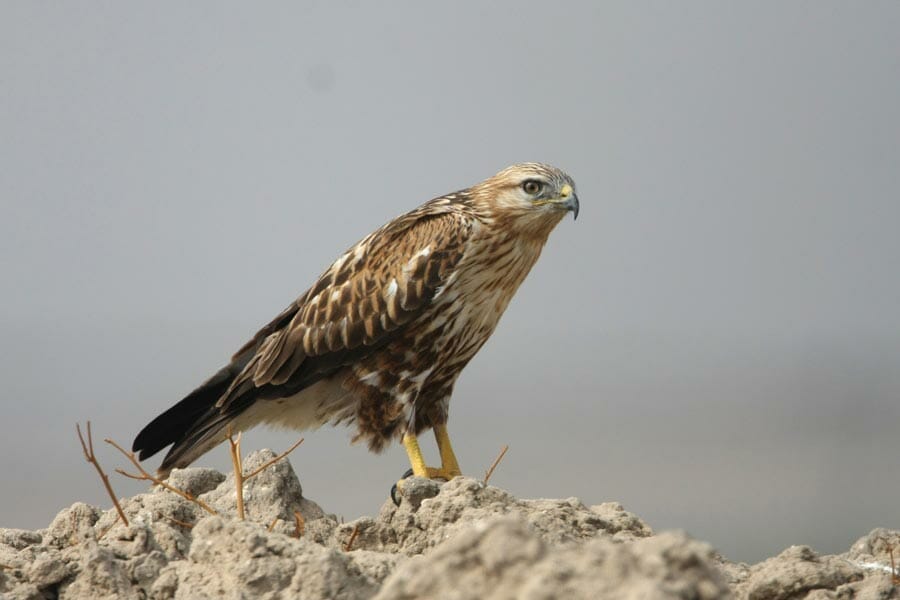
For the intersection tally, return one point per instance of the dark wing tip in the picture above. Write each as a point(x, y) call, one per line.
point(160, 432)
point(176, 423)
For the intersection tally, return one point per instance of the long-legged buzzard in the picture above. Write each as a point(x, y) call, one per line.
point(379, 340)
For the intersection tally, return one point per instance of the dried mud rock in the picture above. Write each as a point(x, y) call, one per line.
point(414, 528)
point(275, 493)
point(506, 558)
point(460, 539)
point(195, 481)
point(796, 572)
point(237, 559)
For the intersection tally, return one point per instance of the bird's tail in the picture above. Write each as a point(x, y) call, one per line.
point(194, 426)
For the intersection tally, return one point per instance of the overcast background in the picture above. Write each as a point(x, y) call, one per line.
point(715, 343)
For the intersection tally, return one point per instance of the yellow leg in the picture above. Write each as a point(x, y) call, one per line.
point(416, 460)
point(449, 466)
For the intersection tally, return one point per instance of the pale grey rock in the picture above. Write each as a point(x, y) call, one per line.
point(413, 490)
point(143, 570)
point(194, 480)
point(127, 542)
point(158, 505)
point(48, 569)
point(238, 559)
point(872, 554)
point(166, 584)
point(678, 567)
point(623, 525)
point(795, 572)
point(19, 538)
point(321, 531)
point(100, 576)
point(27, 591)
point(158, 519)
point(371, 535)
point(875, 546)
point(71, 526)
point(275, 493)
point(34, 571)
point(13, 559)
point(375, 566)
point(464, 501)
point(459, 539)
point(505, 558)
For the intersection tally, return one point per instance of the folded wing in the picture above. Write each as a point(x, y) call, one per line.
point(360, 304)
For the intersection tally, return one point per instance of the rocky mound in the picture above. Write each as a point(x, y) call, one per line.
point(460, 539)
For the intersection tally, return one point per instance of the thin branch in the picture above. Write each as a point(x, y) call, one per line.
point(496, 462)
point(352, 539)
point(237, 464)
point(88, 450)
point(299, 524)
point(272, 524)
point(145, 476)
point(895, 576)
point(269, 463)
point(102, 533)
point(234, 444)
point(181, 523)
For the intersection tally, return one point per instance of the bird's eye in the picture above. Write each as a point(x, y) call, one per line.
point(532, 187)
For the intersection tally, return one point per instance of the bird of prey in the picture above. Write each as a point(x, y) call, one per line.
point(380, 339)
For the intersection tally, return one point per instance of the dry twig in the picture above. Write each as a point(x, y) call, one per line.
point(73, 542)
point(496, 462)
point(234, 443)
point(234, 446)
point(145, 476)
point(269, 463)
point(349, 546)
point(299, 524)
point(895, 575)
point(180, 523)
point(272, 524)
point(88, 449)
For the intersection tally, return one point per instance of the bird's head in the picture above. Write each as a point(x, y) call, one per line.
point(531, 197)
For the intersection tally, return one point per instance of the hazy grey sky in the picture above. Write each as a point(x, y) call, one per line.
point(715, 342)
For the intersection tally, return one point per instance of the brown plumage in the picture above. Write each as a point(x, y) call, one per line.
point(379, 340)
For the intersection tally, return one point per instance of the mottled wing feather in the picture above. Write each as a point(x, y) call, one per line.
point(360, 303)
point(248, 349)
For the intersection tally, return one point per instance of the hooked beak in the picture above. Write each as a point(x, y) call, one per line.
point(569, 200)
point(572, 204)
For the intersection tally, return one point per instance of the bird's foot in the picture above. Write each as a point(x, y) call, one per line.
point(431, 473)
point(449, 467)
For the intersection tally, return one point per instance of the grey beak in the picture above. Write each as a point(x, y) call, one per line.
point(572, 204)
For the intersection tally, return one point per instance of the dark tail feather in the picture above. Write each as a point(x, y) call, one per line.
point(195, 412)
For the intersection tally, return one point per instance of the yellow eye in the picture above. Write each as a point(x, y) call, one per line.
point(532, 187)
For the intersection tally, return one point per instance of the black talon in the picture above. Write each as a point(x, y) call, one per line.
point(394, 495)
